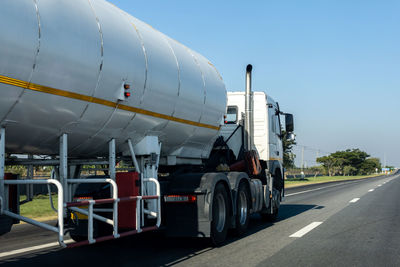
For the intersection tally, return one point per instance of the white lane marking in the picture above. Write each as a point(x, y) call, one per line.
point(38, 247)
point(305, 230)
point(371, 190)
point(379, 185)
point(354, 200)
point(319, 188)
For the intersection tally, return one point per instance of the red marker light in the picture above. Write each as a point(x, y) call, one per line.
point(127, 94)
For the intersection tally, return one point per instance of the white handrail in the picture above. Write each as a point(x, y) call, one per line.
point(158, 199)
point(90, 222)
point(138, 221)
point(114, 196)
point(89, 212)
point(60, 212)
point(95, 216)
point(97, 181)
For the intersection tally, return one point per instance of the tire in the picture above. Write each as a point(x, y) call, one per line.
point(78, 238)
point(78, 230)
point(271, 217)
point(242, 209)
point(220, 215)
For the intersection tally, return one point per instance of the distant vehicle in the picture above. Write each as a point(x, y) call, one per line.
point(84, 83)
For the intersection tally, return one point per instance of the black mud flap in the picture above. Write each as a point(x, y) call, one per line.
point(186, 219)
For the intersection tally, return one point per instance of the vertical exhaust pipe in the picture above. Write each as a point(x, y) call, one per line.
point(248, 125)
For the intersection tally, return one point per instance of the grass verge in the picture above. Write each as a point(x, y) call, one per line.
point(39, 209)
point(323, 179)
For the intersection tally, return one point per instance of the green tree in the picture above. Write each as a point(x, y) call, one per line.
point(349, 162)
point(329, 163)
point(350, 157)
point(288, 155)
point(349, 170)
point(370, 165)
point(16, 169)
point(317, 170)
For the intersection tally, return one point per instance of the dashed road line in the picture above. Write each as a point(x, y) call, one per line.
point(379, 185)
point(371, 190)
point(354, 200)
point(305, 230)
point(29, 249)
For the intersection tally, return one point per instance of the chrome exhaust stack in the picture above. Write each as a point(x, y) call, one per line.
point(248, 125)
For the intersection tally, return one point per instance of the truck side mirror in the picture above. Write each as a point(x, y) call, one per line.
point(290, 137)
point(289, 123)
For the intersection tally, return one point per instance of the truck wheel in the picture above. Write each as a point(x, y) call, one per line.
point(78, 238)
point(220, 215)
point(270, 217)
point(275, 209)
point(78, 230)
point(242, 209)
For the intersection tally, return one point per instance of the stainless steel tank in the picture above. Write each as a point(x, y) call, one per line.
point(63, 67)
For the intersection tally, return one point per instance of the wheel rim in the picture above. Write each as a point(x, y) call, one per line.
point(242, 207)
point(221, 213)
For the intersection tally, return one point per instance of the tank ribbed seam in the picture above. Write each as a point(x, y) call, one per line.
point(34, 62)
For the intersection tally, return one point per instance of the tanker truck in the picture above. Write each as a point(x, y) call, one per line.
point(83, 83)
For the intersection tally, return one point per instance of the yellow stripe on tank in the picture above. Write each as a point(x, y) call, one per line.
point(72, 95)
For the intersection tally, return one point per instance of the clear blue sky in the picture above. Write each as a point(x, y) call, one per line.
point(334, 64)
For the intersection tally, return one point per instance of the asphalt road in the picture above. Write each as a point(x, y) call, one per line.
point(354, 223)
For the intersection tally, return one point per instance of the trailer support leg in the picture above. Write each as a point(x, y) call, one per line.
point(29, 187)
point(134, 160)
point(111, 159)
point(63, 171)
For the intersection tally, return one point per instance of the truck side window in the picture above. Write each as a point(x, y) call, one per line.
point(232, 115)
point(277, 125)
point(272, 122)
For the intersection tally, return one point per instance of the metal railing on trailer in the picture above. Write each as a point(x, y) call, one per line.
point(65, 196)
point(91, 215)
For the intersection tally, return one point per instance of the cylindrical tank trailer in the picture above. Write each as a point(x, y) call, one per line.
point(88, 69)
point(81, 78)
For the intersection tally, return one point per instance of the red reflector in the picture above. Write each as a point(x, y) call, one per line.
point(127, 94)
point(180, 198)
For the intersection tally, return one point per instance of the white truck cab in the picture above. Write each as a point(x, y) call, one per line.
point(266, 132)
